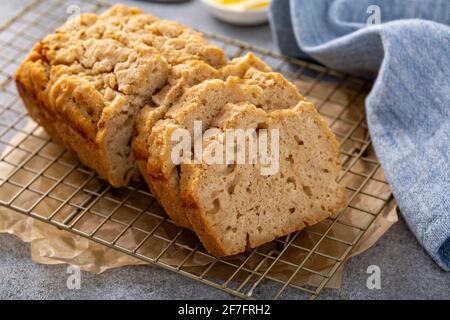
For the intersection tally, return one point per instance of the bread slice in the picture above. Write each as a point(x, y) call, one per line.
point(233, 207)
point(204, 102)
point(85, 83)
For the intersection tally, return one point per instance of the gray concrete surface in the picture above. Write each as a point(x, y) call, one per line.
point(407, 272)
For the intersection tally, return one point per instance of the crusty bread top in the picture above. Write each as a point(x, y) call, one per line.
point(240, 65)
point(92, 61)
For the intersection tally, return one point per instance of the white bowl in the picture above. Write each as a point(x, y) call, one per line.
point(237, 15)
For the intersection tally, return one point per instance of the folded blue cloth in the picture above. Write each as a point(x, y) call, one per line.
point(408, 110)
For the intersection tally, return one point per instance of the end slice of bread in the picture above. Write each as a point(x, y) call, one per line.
point(233, 207)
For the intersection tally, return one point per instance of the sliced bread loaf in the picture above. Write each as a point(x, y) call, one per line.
point(126, 81)
point(86, 82)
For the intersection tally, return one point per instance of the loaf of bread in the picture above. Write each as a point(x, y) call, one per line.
point(85, 83)
point(114, 89)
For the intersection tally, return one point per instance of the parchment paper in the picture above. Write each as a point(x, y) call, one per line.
point(49, 245)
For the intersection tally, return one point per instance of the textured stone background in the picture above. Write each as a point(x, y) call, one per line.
point(407, 271)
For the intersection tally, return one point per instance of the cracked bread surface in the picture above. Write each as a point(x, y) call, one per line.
point(86, 82)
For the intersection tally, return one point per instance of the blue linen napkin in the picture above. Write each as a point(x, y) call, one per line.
point(408, 109)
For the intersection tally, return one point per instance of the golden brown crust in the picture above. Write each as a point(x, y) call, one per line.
point(37, 112)
point(72, 139)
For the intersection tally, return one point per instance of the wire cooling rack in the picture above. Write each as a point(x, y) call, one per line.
point(42, 180)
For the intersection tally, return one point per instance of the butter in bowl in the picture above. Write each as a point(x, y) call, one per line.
point(239, 12)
